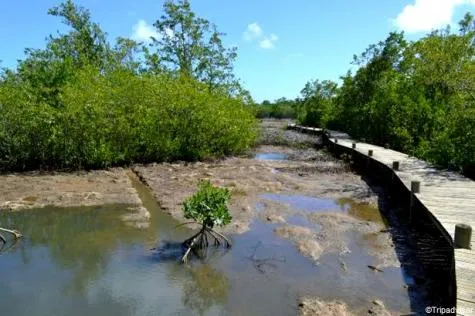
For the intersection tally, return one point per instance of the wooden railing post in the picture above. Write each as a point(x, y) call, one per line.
point(463, 236)
point(415, 188)
point(396, 165)
point(395, 168)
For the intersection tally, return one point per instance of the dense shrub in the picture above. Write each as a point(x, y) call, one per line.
point(279, 109)
point(119, 118)
point(83, 103)
point(275, 111)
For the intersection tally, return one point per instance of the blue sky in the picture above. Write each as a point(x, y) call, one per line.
point(281, 43)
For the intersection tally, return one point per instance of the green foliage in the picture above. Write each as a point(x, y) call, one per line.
point(416, 96)
point(86, 43)
point(208, 206)
point(120, 118)
point(316, 106)
point(81, 104)
point(192, 47)
point(280, 108)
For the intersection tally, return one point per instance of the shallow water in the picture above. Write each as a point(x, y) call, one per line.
point(308, 204)
point(271, 156)
point(81, 261)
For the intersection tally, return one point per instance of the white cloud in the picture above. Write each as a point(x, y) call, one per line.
point(252, 32)
point(255, 32)
point(143, 32)
point(273, 37)
point(268, 42)
point(426, 15)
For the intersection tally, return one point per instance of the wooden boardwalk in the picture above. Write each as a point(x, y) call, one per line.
point(448, 196)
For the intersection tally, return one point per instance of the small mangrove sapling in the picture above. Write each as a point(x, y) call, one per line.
point(207, 207)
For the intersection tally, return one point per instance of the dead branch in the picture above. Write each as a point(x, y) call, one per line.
point(15, 233)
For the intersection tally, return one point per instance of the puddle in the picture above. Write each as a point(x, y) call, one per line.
point(85, 260)
point(309, 204)
point(302, 203)
point(271, 156)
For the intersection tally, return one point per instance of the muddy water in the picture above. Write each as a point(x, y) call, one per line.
point(308, 204)
point(81, 261)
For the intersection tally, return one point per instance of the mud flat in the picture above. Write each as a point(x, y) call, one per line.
point(247, 178)
point(299, 174)
point(34, 190)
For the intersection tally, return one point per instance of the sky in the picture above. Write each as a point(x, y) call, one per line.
point(281, 44)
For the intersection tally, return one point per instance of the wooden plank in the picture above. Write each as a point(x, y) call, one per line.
point(465, 308)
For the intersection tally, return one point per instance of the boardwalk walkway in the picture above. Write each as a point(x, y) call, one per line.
point(448, 196)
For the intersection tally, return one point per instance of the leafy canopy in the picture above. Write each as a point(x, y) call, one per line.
point(416, 96)
point(82, 102)
point(208, 206)
point(192, 47)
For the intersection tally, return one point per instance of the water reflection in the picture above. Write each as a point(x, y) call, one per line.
point(79, 239)
point(81, 261)
point(88, 260)
point(205, 288)
point(363, 211)
point(271, 156)
point(308, 204)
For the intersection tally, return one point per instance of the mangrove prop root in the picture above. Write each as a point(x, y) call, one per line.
point(202, 240)
point(189, 249)
point(228, 242)
point(3, 241)
point(15, 233)
point(189, 240)
point(217, 238)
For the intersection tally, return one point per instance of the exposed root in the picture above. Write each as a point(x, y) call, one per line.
point(217, 242)
point(4, 249)
point(15, 233)
point(213, 232)
point(189, 240)
point(202, 239)
point(185, 257)
point(3, 240)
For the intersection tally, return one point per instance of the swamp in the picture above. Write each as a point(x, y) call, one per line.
point(309, 235)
